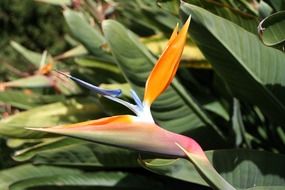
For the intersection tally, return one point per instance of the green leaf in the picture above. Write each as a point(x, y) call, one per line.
point(32, 57)
point(77, 51)
point(174, 168)
point(242, 168)
point(98, 72)
point(253, 72)
point(237, 123)
point(73, 152)
point(22, 100)
point(231, 10)
point(56, 2)
point(264, 9)
point(47, 145)
point(267, 187)
point(271, 30)
point(34, 81)
point(28, 176)
point(278, 5)
point(175, 109)
point(98, 180)
point(69, 111)
point(152, 17)
point(93, 63)
point(19, 173)
point(89, 36)
point(17, 99)
point(207, 171)
point(217, 108)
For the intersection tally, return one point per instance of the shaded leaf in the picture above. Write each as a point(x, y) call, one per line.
point(242, 168)
point(100, 180)
point(46, 145)
point(207, 171)
point(27, 176)
point(267, 187)
point(23, 172)
point(271, 30)
point(278, 4)
point(234, 11)
point(237, 123)
point(217, 108)
point(253, 72)
point(74, 152)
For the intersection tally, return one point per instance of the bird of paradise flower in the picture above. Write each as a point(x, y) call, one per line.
point(140, 132)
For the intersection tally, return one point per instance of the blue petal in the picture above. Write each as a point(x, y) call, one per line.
point(137, 99)
point(132, 107)
point(105, 92)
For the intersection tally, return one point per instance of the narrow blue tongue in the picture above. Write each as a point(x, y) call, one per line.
point(105, 92)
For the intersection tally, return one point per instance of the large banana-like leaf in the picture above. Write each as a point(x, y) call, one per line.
point(242, 168)
point(228, 10)
point(175, 109)
point(152, 17)
point(28, 176)
point(74, 152)
point(252, 71)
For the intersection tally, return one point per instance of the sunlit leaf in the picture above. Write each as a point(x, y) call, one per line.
point(26, 99)
point(34, 81)
point(89, 36)
point(31, 56)
point(69, 111)
point(56, 2)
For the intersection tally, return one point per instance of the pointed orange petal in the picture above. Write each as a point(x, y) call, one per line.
point(173, 35)
point(166, 66)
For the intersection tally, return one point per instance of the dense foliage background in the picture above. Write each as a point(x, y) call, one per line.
point(228, 94)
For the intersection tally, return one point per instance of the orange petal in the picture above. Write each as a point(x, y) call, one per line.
point(46, 69)
point(173, 35)
point(103, 121)
point(166, 66)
